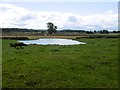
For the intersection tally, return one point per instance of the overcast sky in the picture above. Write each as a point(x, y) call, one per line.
point(72, 15)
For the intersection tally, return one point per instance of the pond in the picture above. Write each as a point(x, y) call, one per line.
point(52, 41)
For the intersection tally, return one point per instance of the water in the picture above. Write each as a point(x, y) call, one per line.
point(52, 41)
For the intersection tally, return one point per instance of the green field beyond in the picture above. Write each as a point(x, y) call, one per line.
point(94, 65)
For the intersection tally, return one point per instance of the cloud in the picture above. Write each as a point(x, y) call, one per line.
point(18, 17)
point(72, 19)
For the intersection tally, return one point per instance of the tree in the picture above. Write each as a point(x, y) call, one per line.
point(104, 32)
point(89, 32)
point(51, 28)
point(95, 31)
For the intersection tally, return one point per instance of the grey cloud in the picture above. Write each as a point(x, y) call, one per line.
point(19, 24)
point(27, 17)
point(72, 19)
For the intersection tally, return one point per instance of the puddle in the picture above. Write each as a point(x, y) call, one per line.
point(52, 41)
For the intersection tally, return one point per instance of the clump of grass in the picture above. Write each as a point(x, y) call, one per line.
point(54, 50)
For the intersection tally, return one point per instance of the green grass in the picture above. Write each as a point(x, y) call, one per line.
point(94, 65)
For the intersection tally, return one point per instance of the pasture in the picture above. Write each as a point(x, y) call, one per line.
point(94, 65)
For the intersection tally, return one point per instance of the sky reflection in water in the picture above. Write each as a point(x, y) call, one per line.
point(52, 41)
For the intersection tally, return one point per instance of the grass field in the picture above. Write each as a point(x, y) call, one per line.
point(94, 65)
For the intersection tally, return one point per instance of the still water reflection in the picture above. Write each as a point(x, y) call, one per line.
point(52, 41)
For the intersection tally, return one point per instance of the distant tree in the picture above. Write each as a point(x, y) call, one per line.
point(95, 31)
point(89, 32)
point(51, 28)
point(104, 31)
point(115, 32)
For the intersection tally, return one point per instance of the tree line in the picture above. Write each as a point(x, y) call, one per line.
point(52, 30)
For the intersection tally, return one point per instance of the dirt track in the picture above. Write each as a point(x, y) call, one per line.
point(67, 36)
point(35, 37)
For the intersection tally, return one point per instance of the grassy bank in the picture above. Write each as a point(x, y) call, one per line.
point(53, 66)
